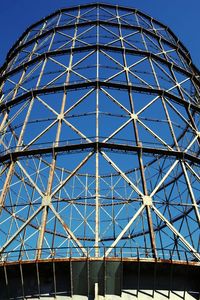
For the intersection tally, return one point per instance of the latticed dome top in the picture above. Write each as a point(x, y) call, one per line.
point(100, 134)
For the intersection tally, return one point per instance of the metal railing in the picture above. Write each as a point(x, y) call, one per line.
point(137, 253)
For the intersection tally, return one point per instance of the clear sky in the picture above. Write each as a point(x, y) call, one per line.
point(182, 16)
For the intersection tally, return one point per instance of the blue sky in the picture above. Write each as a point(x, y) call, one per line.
point(182, 16)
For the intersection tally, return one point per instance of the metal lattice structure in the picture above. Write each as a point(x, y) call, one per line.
point(100, 134)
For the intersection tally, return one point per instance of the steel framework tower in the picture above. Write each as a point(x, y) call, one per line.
point(99, 164)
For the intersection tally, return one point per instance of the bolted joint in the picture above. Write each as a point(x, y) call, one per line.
point(46, 201)
point(147, 200)
point(134, 116)
point(60, 117)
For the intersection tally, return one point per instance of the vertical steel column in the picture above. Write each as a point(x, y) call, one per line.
point(97, 204)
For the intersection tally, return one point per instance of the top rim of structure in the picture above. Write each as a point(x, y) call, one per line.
point(177, 40)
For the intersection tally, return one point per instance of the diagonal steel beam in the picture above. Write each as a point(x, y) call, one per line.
point(154, 134)
point(116, 101)
point(79, 101)
point(189, 185)
point(76, 130)
point(68, 230)
point(118, 130)
point(164, 178)
point(30, 179)
point(125, 230)
point(177, 233)
point(123, 175)
point(72, 174)
point(20, 229)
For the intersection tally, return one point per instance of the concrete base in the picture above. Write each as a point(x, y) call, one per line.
point(100, 279)
point(131, 295)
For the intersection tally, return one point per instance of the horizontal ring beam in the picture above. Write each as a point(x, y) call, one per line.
point(12, 156)
point(97, 84)
point(99, 47)
point(97, 22)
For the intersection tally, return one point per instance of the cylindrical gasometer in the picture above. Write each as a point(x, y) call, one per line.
point(99, 159)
